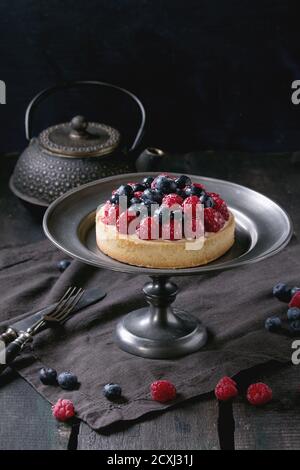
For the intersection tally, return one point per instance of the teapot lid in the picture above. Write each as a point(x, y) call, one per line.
point(80, 138)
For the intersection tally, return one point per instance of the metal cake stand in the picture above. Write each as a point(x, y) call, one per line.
point(262, 229)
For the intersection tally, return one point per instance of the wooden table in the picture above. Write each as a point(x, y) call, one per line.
point(26, 420)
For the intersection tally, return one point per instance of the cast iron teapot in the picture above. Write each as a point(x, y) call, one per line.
point(66, 155)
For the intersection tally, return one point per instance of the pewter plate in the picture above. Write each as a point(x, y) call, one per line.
point(263, 228)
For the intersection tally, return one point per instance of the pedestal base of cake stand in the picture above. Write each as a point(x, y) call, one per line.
point(158, 331)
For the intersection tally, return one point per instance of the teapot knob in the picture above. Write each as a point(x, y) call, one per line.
point(79, 125)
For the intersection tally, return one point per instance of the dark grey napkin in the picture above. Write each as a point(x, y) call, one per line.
point(232, 304)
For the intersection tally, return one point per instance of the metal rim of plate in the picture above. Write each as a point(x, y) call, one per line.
point(263, 229)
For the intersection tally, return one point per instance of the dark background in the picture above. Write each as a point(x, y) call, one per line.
point(212, 74)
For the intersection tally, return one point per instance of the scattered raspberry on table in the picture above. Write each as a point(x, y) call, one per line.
point(63, 410)
point(259, 394)
point(295, 302)
point(226, 389)
point(162, 391)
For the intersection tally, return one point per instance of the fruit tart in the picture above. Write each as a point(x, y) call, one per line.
point(164, 222)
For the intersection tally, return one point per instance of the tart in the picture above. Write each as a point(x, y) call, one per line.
point(164, 222)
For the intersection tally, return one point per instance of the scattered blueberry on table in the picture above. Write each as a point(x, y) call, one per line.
point(48, 376)
point(295, 326)
point(273, 324)
point(293, 314)
point(112, 391)
point(67, 380)
point(63, 264)
point(282, 292)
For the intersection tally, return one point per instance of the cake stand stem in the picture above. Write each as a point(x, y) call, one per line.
point(159, 331)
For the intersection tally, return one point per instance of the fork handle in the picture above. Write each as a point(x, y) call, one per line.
point(13, 350)
point(8, 336)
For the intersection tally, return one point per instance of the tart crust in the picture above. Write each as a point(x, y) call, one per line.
point(131, 249)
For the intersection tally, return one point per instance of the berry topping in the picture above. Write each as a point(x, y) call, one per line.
point(114, 198)
point(63, 264)
point(226, 389)
point(293, 314)
point(112, 215)
point(172, 199)
point(165, 184)
point(295, 302)
point(125, 190)
point(183, 181)
point(112, 391)
point(138, 194)
point(148, 229)
point(162, 391)
point(152, 195)
point(67, 380)
point(63, 410)
point(138, 187)
point(195, 189)
point(172, 230)
point(135, 200)
point(48, 376)
point(219, 204)
point(259, 394)
point(273, 324)
point(124, 223)
point(148, 181)
point(190, 203)
point(282, 292)
point(213, 220)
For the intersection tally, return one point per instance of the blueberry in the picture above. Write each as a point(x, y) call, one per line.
point(209, 202)
point(115, 199)
point(67, 380)
point(125, 190)
point(152, 195)
point(295, 326)
point(183, 181)
point(63, 264)
point(165, 185)
point(282, 292)
point(112, 391)
point(181, 193)
point(194, 191)
point(48, 376)
point(148, 181)
point(293, 314)
point(138, 187)
point(135, 200)
point(273, 323)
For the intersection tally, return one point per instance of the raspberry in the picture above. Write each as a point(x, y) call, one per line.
point(123, 223)
point(112, 215)
point(220, 205)
point(138, 194)
point(172, 199)
point(172, 230)
point(63, 410)
point(213, 220)
point(148, 229)
point(295, 302)
point(162, 391)
point(199, 185)
point(226, 389)
point(191, 201)
point(259, 394)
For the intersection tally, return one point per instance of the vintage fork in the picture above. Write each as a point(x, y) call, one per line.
point(61, 313)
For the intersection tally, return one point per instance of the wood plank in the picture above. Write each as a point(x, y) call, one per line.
point(26, 418)
point(191, 426)
point(277, 425)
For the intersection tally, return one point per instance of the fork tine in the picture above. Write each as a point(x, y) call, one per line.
point(68, 307)
point(62, 302)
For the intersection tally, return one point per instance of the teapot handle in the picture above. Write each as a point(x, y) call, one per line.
point(49, 91)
